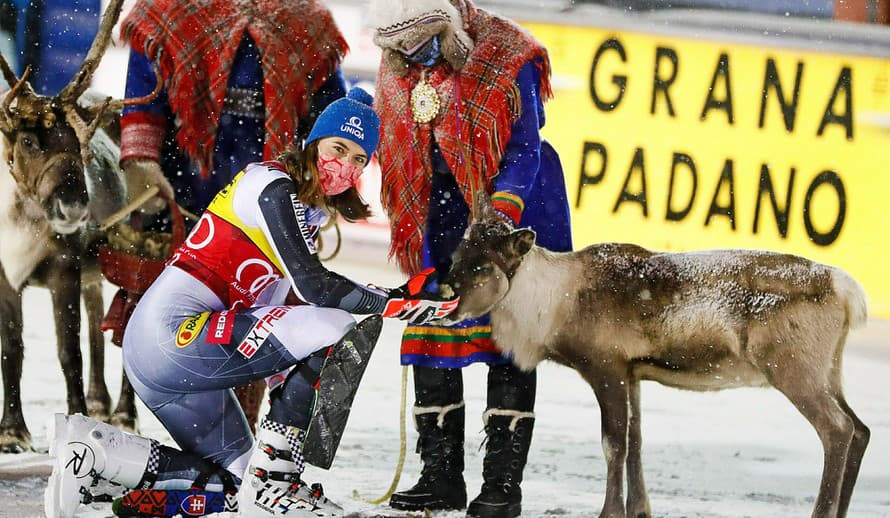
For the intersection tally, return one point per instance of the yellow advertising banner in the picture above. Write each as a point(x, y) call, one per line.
point(682, 144)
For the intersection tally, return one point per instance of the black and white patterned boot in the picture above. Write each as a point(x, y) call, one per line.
point(272, 485)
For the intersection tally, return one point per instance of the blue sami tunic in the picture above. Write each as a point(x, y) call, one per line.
point(530, 177)
point(240, 134)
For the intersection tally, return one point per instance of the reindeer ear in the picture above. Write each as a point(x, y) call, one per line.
point(522, 241)
point(484, 208)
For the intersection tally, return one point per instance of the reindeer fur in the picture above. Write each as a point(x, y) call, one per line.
point(709, 320)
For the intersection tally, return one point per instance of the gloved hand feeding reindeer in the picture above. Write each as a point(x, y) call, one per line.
point(415, 303)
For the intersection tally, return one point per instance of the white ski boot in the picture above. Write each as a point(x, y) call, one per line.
point(85, 449)
point(272, 485)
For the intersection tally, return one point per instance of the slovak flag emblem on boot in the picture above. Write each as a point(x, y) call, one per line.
point(194, 505)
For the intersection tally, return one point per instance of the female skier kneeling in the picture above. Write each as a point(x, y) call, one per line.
point(217, 317)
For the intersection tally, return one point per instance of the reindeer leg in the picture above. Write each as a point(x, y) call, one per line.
point(124, 416)
point(63, 282)
point(612, 393)
point(98, 399)
point(14, 435)
point(861, 436)
point(637, 500)
point(820, 406)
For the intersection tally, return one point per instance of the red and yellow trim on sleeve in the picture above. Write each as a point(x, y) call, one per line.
point(509, 205)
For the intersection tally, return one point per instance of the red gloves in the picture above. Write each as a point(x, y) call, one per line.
point(413, 303)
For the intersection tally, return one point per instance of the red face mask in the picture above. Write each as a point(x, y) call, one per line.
point(336, 175)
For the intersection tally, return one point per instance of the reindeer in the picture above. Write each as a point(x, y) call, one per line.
point(708, 320)
point(44, 212)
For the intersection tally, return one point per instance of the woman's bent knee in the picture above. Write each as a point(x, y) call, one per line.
point(312, 328)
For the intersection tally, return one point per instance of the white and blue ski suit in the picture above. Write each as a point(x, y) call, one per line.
point(220, 314)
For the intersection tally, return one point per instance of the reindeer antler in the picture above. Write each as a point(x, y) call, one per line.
point(82, 78)
point(483, 208)
point(16, 84)
point(83, 130)
point(117, 105)
point(8, 74)
point(5, 118)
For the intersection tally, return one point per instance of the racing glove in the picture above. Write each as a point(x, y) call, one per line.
point(412, 302)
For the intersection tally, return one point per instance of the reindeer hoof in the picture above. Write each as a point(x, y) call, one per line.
point(14, 441)
point(127, 423)
point(637, 511)
point(98, 408)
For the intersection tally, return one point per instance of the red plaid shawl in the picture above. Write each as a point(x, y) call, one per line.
point(194, 43)
point(479, 106)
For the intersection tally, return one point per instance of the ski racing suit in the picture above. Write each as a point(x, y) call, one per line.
point(217, 317)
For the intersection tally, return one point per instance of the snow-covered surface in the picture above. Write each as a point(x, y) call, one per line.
point(744, 452)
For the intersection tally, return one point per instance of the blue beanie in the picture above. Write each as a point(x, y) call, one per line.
point(350, 117)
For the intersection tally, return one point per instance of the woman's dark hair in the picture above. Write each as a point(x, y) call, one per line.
point(301, 166)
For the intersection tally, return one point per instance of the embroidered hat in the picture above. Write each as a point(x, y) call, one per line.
point(403, 24)
point(350, 117)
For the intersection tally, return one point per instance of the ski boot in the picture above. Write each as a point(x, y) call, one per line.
point(272, 485)
point(84, 450)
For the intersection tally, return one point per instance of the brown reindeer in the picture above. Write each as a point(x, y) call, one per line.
point(709, 320)
point(44, 239)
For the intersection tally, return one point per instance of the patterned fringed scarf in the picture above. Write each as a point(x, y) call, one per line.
point(479, 105)
point(194, 43)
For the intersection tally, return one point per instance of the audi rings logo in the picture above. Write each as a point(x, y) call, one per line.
point(259, 282)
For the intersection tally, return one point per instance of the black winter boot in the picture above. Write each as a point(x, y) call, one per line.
point(508, 437)
point(441, 447)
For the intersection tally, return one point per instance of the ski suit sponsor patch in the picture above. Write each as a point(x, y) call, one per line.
point(260, 331)
point(190, 329)
point(305, 232)
point(219, 328)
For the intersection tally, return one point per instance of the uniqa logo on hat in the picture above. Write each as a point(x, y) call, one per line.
point(354, 127)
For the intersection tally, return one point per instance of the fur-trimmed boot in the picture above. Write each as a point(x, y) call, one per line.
point(441, 447)
point(272, 484)
point(508, 437)
point(86, 449)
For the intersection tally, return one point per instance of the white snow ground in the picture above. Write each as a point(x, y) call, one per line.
point(744, 452)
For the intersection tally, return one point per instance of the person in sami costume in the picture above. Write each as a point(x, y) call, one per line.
point(460, 94)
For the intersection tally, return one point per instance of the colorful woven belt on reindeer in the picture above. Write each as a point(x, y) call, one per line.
point(195, 42)
point(479, 105)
